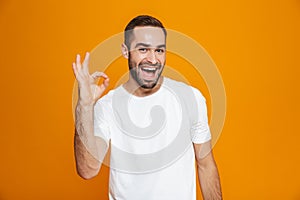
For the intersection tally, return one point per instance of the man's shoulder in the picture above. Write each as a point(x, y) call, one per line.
point(184, 88)
point(172, 82)
point(179, 84)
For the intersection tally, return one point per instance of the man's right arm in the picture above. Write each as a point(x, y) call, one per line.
point(89, 150)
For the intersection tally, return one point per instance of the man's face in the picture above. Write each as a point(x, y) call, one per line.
point(147, 55)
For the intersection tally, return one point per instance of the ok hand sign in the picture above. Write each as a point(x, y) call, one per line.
point(88, 89)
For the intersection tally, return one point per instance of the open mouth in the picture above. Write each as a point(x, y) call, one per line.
point(149, 69)
point(149, 73)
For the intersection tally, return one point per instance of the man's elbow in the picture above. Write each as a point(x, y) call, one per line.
point(206, 162)
point(87, 175)
point(88, 172)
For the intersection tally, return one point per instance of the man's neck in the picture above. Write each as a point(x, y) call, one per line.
point(134, 88)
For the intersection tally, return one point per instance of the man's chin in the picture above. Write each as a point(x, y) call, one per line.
point(148, 85)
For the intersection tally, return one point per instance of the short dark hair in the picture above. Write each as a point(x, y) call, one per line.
point(141, 20)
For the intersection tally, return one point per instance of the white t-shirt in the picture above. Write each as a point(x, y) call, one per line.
point(151, 140)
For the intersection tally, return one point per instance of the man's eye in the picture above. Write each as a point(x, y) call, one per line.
point(142, 50)
point(160, 50)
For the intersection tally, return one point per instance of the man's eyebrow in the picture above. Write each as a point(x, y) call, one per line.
point(148, 45)
point(161, 46)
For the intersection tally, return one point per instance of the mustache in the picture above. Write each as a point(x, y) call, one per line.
point(149, 64)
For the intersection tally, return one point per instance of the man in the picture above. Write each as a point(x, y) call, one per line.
point(154, 126)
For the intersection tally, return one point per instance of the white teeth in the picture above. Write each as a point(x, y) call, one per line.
point(149, 69)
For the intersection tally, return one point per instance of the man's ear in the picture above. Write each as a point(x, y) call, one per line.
point(125, 52)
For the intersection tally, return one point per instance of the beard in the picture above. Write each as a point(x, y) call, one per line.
point(135, 73)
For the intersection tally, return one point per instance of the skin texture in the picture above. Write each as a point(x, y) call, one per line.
point(147, 49)
point(208, 173)
point(85, 144)
point(146, 52)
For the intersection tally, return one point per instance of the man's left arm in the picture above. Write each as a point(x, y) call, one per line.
point(208, 173)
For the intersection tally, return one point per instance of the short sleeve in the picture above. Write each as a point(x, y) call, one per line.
point(200, 131)
point(101, 125)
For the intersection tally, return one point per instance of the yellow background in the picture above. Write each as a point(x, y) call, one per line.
point(255, 45)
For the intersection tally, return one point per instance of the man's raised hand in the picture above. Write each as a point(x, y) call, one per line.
point(88, 89)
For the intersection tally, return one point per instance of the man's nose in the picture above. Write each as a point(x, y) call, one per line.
point(151, 57)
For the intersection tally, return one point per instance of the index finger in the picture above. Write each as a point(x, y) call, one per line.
point(97, 75)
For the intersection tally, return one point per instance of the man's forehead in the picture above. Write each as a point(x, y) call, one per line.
point(148, 34)
point(148, 29)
